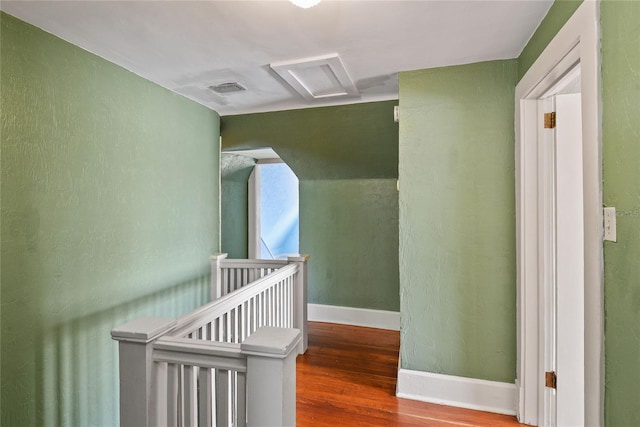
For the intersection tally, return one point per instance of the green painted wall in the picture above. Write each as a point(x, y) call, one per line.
point(620, 22)
point(109, 212)
point(350, 228)
point(620, 40)
point(346, 158)
point(560, 12)
point(457, 220)
point(234, 194)
point(344, 142)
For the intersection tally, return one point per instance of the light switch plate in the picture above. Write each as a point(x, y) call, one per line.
point(610, 224)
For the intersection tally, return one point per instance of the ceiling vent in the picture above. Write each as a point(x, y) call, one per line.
point(317, 78)
point(225, 88)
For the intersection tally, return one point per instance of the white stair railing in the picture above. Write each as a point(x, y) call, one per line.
point(222, 363)
point(227, 275)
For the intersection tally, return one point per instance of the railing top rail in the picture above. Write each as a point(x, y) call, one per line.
point(253, 263)
point(195, 352)
point(198, 346)
point(202, 315)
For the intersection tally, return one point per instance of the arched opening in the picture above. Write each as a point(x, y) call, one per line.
point(259, 204)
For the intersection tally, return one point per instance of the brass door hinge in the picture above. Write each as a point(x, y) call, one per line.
point(550, 120)
point(550, 379)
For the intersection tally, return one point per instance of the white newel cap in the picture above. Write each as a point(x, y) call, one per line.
point(219, 256)
point(143, 329)
point(272, 342)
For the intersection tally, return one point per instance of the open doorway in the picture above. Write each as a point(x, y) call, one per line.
point(273, 197)
point(271, 216)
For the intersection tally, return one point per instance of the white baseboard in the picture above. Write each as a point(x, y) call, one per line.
point(471, 393)
point(380, 319)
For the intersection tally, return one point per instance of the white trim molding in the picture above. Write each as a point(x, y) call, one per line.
point(253, 214)
point(471, 393)
point(577, 42)
point(380, 319)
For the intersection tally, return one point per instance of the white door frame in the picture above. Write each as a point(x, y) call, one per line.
point(254, 202)
point(253, 214)
point(576, 42)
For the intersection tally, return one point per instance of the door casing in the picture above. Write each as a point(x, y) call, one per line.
point(576, 43)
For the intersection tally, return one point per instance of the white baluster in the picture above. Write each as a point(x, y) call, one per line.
point(181, 395)
point(190, 393)
point(205, 397)
point(241, 399)
point(274, 305)
point(246, 310)
point(272, 308)
point(172, 395)
point(281, 306)
point(260, 310)
point(236, 325)
point(254, 314)
point(226, 273)
point(222, 398)
point(290, 304)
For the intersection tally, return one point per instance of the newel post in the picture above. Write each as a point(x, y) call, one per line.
point(216, 276)
point(139, 385)
point(300, 310)
point(271, 376)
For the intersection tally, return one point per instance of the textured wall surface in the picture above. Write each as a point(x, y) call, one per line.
point(234, 193)
point(560, 12)
point(457, 220)
point(351, 229)
point(621, 150)
point(346, 158)
point(344, 142)
point(109, 212)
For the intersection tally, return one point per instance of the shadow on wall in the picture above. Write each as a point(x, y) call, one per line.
point(77, 361)
point(234, 174)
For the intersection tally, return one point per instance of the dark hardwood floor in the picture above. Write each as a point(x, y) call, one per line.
point(347, 377)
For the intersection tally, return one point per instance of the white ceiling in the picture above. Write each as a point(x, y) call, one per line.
point(187, 46)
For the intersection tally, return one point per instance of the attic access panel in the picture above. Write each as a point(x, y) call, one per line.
point(317, 78)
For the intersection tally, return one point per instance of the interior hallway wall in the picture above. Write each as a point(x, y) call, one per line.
point(620, 22)
point(109, 212)
point(346, 159)
point(457, 220)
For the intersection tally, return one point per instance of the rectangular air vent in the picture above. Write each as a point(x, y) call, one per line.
point(317, 78)
point(230, 87)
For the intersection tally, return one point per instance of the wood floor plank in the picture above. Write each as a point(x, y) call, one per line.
point(348, 378)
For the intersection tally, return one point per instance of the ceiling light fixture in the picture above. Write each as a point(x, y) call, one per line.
point(305, 4)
